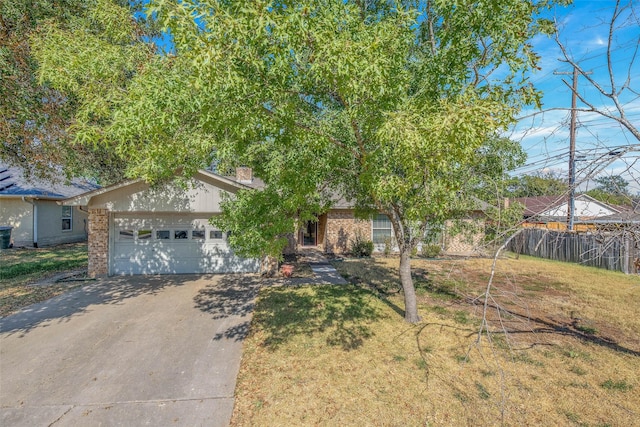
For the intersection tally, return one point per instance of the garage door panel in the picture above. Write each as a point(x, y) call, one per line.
point(153, 255)
point(161, 266)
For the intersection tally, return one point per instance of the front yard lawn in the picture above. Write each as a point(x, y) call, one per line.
point(564, 348)
point(20, 268)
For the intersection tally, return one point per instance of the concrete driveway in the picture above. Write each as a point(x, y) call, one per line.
point(129, 351)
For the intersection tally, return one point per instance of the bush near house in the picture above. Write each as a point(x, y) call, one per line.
point(361, 247)
point(431, 251)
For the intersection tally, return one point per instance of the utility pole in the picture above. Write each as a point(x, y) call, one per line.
point(572, 146)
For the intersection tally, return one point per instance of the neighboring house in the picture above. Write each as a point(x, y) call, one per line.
point(552, 211)
point(136, 229)
point(30, 207)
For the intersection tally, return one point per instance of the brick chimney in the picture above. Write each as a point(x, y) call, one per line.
point(244, 175)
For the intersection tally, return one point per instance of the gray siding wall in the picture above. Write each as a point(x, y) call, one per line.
point(50, 225)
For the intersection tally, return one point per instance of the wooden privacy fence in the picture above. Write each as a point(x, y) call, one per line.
point(610, 251)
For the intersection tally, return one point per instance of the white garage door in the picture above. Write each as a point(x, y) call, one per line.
point(172, 245)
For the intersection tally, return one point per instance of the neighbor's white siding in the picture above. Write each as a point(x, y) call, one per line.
point(19, 215)
point(584, 209)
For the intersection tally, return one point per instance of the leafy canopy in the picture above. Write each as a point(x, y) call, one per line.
point(391, 104)
point(612, 189)
point(543, 184)
point(34, 117)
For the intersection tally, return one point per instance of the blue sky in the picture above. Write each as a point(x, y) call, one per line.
point(545, 136)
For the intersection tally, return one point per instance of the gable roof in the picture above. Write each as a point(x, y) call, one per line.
point(537, 205)
point(134, 185)
point(13, 183)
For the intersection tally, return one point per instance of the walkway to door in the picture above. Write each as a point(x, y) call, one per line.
point(324, 272)
point(321, 267)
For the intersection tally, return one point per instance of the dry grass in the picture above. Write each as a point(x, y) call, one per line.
point(344, 356)
point(20, 268)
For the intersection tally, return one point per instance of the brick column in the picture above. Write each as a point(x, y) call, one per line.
point(98, 242)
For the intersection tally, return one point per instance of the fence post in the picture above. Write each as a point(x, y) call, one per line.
point(629, 255)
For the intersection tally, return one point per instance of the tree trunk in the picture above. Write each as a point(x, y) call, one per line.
point(410, 302)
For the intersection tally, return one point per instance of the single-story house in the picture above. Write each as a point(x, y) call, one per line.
point(138, 229)
point(30, 208)
point(552, 211)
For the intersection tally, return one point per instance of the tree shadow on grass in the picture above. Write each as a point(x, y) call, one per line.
point(341, 313)
point(539, 325)
point(378, 279)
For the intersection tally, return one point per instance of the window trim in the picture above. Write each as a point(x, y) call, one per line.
point(67, 218)
point(160, 230)
point(119, 235)
point(216, 239)
point(374, 228)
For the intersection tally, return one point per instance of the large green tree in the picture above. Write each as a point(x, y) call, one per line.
point(388, 103)
point(611, 189)
point(542, 184)
point(35, 117)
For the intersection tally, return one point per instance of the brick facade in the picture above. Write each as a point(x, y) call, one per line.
point(341, 228)
point(98, 246)
point(467, 242)
point(336, 230)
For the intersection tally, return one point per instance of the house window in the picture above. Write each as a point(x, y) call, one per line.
point(215, 235)
point(197, 234)
point(382, 229)
point(180, 234)
point(144, 234)
point(67, 218)
point(125, 234)
point(163, 234)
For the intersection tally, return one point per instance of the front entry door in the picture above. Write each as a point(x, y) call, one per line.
point(309, 234)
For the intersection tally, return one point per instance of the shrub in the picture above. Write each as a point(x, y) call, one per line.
point(388, 245)
point(430, 251)
point(361, 247)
